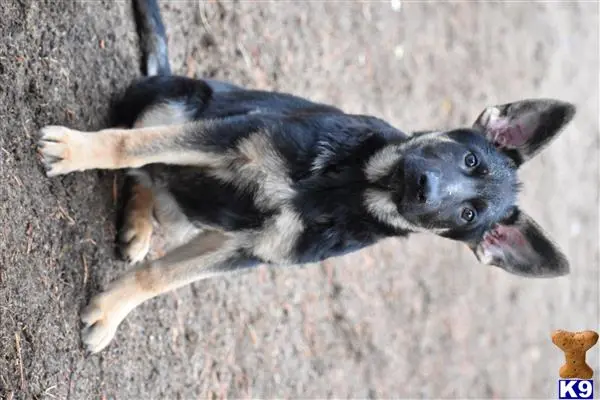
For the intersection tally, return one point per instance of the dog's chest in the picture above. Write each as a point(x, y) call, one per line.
point(301, 205)
point(315, 224)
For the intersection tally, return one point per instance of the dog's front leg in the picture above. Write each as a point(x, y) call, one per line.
point(65, 150)
point(210, 253)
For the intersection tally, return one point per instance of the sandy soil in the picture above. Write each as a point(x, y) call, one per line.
point(412, 318)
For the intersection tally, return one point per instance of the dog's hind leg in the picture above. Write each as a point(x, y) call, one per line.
point(209, 254)
point(136, 232)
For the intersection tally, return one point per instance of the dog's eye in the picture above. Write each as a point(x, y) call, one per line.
point(470, 160)
point(467, 214)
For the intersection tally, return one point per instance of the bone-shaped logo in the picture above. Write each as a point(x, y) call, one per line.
point(574, 345)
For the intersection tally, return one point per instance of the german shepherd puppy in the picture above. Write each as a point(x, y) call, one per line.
point(242, 177)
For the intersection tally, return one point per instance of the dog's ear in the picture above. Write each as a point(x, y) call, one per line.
point(523, 128)
point(519, 246)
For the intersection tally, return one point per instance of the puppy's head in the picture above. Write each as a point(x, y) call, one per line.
point(462, 184)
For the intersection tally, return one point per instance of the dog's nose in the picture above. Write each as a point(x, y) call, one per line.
point(428, 188)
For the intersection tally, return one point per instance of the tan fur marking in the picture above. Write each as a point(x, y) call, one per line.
point(136, 148)
point(156, 279)
point(381, 163)
point(256, 161)
point(276, 241)
point(380, 204)
point(137, 230)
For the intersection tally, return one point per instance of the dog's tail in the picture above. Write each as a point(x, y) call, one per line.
point(153, 39)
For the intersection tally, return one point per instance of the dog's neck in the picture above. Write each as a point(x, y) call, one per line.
point(379, 196)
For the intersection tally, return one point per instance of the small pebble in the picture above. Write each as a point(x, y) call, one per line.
point(575, 229)
point(399, 51)
point(362, 59)
point(535, 354)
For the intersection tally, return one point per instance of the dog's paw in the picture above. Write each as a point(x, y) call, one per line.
point(135, 239)
point(59, 148)
point(107, 310)
point(100, 325)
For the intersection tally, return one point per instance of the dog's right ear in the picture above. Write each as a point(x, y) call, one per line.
point(522, 129)
point(519, 246)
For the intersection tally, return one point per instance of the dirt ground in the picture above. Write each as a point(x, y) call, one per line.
point(412, 318)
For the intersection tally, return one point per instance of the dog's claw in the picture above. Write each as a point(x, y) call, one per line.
point(55, 146)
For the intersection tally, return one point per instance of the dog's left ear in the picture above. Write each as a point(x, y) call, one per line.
point(519, 246)
point(523, 128)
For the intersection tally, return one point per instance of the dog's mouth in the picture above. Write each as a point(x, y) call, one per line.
point(411, 187)
point(414, 190)
point(407, 187)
